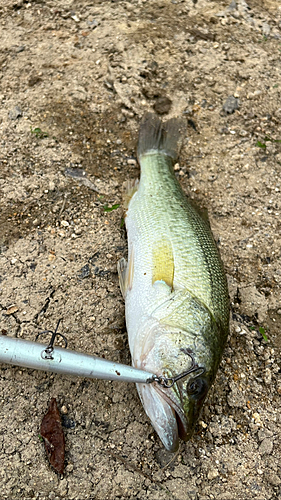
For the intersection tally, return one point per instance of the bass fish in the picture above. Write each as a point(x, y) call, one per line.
point(174, 286)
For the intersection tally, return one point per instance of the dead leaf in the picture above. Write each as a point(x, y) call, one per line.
point(53, 436)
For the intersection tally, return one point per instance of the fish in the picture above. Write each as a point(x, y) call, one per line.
point(174, 286)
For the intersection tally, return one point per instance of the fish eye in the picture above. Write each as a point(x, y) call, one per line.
point(197, 387)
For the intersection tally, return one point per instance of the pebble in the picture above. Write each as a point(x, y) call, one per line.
point(231, 104)
point(267, 376)
point(127, 112)
point(232, 6)
point(93, 24)
point(75, 18)
point(266, 29)
point(131, 161)
point(236, 399)
point(84, 272)
point(64, 223)
point(162, 105)
point(266, 446)
point(212, 474)
point(15, 113)
point(69, 468)
point(257, 419)
point(274, 479)
point(64, 410)
point(264, 433)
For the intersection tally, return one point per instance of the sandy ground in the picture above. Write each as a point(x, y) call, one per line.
point(76, 77)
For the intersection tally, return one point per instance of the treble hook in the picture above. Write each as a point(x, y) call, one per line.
point(168, 382)
point(47, 353)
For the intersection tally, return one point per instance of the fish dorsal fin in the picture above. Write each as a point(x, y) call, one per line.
point(163, 262)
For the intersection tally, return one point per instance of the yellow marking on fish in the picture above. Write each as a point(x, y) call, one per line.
point(163, 263)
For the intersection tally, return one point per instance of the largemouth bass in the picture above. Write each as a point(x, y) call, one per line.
point(175, 289)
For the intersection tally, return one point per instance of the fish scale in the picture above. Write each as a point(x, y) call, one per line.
point(159, 210)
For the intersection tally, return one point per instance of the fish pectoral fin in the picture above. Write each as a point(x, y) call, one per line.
point(122, 268)
point(126, 273)
point(130, 187)
point(163, 263)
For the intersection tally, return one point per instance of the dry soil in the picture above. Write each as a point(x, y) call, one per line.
point(76, 77)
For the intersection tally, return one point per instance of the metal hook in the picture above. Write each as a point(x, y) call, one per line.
point(168, 382)
point(47, 353)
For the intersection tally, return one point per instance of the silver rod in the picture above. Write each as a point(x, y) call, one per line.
point(33, 355)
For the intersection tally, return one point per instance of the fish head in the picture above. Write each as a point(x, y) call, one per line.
point(185, 361)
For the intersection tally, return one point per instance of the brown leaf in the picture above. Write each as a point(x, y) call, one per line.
point(52, 433)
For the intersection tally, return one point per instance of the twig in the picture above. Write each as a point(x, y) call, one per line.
point(63, 205)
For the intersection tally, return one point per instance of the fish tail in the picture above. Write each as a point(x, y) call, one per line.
point(165, 137)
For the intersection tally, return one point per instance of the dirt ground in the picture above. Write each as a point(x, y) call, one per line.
point(76, 77)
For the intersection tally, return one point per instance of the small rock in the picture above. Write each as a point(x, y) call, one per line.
point(274, 479)
point(267, 376)
point(212, 474)
point(264, 433)
point(64, 223)
point(266, 446)
point(162, 105)
point(236, 399)
point(93, 24)
point(75, 172)
point(231, 104)
point(75, 18)
point(15, 113)
point(84, 272)
point(256, 418)
point(21, 48)
point(33, 80)
point(127, 113)
point(67, 422)
point(131, 161)
point(232, 6)
point(265, 29)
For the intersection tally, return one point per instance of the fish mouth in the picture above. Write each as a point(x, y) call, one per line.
point(166, 416)
point(183, 429)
